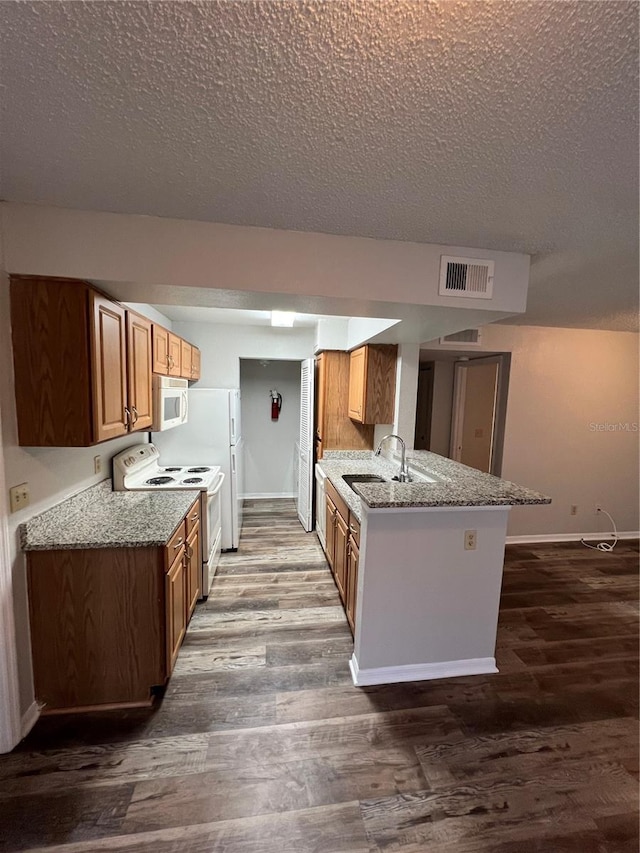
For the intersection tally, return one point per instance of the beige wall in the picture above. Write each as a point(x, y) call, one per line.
point(563, 382)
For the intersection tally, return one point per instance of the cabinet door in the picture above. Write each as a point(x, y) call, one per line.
point(321, 387)
point(330, 531)
point(358, 384)
point(340, 559)
point(176, 612)
point(109, 368)
point(195, 362)
point(139, 371)
point(160, 350)
point(353, 559)
point(185, 359)
point(174, 355)
point(194, 562)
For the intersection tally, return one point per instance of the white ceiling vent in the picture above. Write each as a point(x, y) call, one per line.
point(466, 277)
point(462, 340)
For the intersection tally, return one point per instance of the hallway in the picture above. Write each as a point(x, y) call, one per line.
point(261, 743)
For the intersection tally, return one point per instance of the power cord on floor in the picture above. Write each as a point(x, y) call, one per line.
point(604, 546)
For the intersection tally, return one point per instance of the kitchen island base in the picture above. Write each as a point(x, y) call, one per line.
point(427, 607)
point(420, 672)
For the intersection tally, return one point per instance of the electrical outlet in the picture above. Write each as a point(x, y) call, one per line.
point(470, 540)
point(97, 464)
point(574, 509)
point(19, 497)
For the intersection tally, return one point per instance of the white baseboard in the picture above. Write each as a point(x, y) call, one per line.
point(420, 671)
point(604, 536)
point(255, 496)
point(29, 719)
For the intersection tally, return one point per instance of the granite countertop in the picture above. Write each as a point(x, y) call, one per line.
point(456, 484)
point(102, 518)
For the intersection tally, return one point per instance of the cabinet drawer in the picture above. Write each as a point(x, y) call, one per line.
point(193, 516)
point(339, 503)
point(354, 528)
point(175, 546)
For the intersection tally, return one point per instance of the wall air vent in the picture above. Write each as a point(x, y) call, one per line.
point(462, 340)
point(467, 277)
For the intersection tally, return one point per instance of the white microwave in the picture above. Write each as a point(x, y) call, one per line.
point(170, 402)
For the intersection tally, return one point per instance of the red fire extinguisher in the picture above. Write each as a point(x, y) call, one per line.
point(276, 404)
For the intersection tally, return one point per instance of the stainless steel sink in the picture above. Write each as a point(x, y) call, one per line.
point(350, 479)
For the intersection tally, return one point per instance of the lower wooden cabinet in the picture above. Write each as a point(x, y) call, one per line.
point(193, 562)
point(353, 558)
point(176, 609)
point(340, 554)
point(342, 549)
point(107, 623)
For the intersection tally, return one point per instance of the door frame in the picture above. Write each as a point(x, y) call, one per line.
point(10, 717)
point(503, 360)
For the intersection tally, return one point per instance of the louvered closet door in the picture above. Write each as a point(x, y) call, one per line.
point(305, 459)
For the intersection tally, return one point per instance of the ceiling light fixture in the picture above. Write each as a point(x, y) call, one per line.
point(282, 318)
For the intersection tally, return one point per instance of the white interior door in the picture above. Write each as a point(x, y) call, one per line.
point(305, 459)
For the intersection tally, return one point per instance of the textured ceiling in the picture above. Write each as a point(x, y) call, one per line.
point(509, 125)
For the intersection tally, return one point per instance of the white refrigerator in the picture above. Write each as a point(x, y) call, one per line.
point(212, 436)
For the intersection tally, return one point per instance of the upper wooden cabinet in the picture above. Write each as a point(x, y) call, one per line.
point(160, 349)
point(111, 415)
point(75, 376)
point(173, 356)
point(185, 359)
point(195, 362)
point(139, 358)
point(372, 383)
point(334, 429)
point(175, 351)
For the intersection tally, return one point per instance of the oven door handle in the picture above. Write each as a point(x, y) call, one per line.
point(215, 491)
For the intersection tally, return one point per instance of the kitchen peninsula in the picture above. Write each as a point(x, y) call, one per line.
point(429, 568)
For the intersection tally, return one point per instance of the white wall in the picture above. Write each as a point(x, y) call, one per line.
point(223, 346)
point(52, 473)
point(562, 382)
point(177, 253)
point(269, 445)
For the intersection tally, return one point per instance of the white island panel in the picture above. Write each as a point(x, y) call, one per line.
point(426, 607)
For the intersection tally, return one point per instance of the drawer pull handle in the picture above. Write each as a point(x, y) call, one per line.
point(194, 517)
point(352, 528)
point(178, 544)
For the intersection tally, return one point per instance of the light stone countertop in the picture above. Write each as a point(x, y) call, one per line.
point(457, 484)
point(101, 518)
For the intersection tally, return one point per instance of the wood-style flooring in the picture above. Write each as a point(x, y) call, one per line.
point(261, 744)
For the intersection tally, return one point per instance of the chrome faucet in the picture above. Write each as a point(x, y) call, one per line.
point(403, 475)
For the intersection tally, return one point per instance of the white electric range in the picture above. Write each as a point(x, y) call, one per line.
point(138, 468)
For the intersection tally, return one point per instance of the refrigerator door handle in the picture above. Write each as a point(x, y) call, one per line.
point(233, 463)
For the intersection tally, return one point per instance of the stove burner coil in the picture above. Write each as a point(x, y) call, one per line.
point(197, 470)
point(193, 480)
point(168, 470)
point(160, 481)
